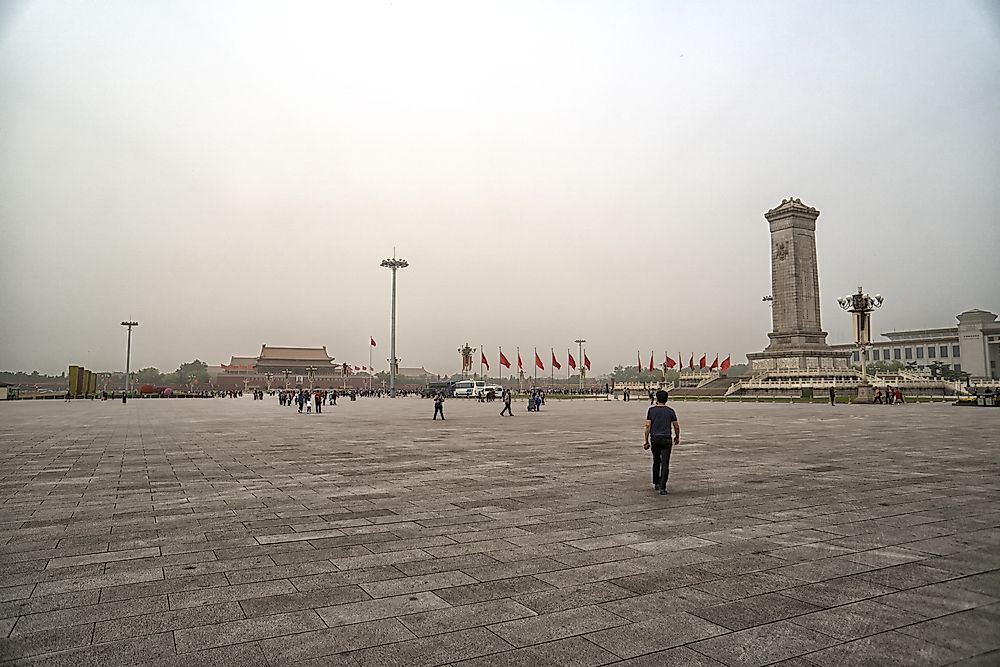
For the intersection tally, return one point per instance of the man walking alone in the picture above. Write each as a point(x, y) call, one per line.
point(660, 419)
point(506, 403)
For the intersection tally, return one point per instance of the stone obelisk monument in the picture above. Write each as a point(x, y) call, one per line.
point(797, 341)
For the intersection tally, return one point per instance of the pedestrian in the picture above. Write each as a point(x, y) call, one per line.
point(318, 401)
point(506, 403)
point(439, 405)
point(890, 395)
point(878, 396)
point(899, 396)
point(660, 420)
point(652, 396)
point(833, 396)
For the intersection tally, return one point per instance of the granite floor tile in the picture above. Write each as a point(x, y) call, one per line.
point(386, 607)
point(857, 620)
point(752, 611)
point(763, 644)
point(657, 634)
point(245, 630)
point(665, 603)
point(556, 625)
point(569, 652)
point(164, 621)
point(292, 650)
point(435, 650)
point(888, 649)
point(474, 615)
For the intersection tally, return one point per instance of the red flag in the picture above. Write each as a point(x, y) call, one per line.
point(485, 360)
point(520, 365)
point(364, 368)
point(373, 341)
point(357, 368)
point(571, 361)
point(725, 363)
point(538, 362)
point(503, 360)
point(586, 361)
point(651, 367)
point(670, 362)
point(702, 361)
point(638, 360)
point(555, 362)
point(715, 363)
point(691, 361)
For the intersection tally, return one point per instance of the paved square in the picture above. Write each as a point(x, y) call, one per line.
point(237, 532)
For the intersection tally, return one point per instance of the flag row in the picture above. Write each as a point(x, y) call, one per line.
point(670, 362)
point(539, 363)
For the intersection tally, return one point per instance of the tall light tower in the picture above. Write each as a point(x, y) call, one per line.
point(128, 359)
point(861, 305)
point(580, 342)
point(393, 264)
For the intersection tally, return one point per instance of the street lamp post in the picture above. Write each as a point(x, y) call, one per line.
point(393, 264)
point(268, 376)
point(286, 373)
point(311, 371)
point(128, 359)
point(582, 367)
point(861, 306)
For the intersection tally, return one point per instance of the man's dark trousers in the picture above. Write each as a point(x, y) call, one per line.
point(438, 410)
point(661, 446)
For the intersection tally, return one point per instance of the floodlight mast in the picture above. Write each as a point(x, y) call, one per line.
point(128, 358)
point(394, 263)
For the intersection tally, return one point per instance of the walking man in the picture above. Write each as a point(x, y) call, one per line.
point(439, 405)
point(506, 403)
point(660, 420)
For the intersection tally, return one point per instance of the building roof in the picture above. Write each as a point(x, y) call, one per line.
point(243, 361)
point(921, 334)
point(303, 354)
point(415, 372)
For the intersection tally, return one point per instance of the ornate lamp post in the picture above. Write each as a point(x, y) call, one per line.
point(128, 359)
point(581, 366)
point(861, 306)
point(286, 373)
point(311, 371)
point(466, 353)
point(393, 264)
point(268, 376)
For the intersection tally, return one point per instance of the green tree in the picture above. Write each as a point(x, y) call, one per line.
point(149, 375)
point(193, 372)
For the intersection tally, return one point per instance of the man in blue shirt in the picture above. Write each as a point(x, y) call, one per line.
point(660, 420)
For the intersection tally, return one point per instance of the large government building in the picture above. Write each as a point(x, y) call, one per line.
point(973, 346)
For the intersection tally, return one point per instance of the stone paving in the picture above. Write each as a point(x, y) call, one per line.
point(235, 532)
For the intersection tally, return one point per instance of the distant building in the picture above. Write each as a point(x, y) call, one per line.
point(973, 346)
point(416, 373)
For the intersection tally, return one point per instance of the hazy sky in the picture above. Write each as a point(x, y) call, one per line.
point(231, 173)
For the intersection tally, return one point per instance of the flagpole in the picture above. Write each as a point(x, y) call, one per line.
point(534, 382)
point(370, 370)
point(567, 363)
point(519, 387)
point(552, 369)
point(481, 363)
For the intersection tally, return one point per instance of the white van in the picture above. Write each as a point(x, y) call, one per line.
point(469, 388)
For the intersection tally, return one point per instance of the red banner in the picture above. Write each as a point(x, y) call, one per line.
point(503, 360)
point(484, 360)
point(555, 362)
point(571, 361)
point(586, 361)
point(726, 363)
point(538, 362)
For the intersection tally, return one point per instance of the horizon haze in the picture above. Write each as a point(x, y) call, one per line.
point(231, 174)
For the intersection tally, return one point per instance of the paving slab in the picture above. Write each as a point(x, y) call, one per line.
point(222, 531)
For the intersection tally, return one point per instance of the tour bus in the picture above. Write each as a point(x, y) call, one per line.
point(469, 388)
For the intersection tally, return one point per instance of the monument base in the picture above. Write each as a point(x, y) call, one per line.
point(799, 360)
point(866, 394)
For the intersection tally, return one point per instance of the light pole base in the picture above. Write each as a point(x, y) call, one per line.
point(866, 394)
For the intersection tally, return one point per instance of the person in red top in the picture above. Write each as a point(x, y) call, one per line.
point(660, 419)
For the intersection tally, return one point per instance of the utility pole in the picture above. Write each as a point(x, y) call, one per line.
point(128, 359)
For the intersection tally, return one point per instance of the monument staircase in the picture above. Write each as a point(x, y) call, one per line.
point(715, 386)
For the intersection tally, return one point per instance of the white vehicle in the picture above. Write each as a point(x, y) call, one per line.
point(497, 390)
point(469, 388)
